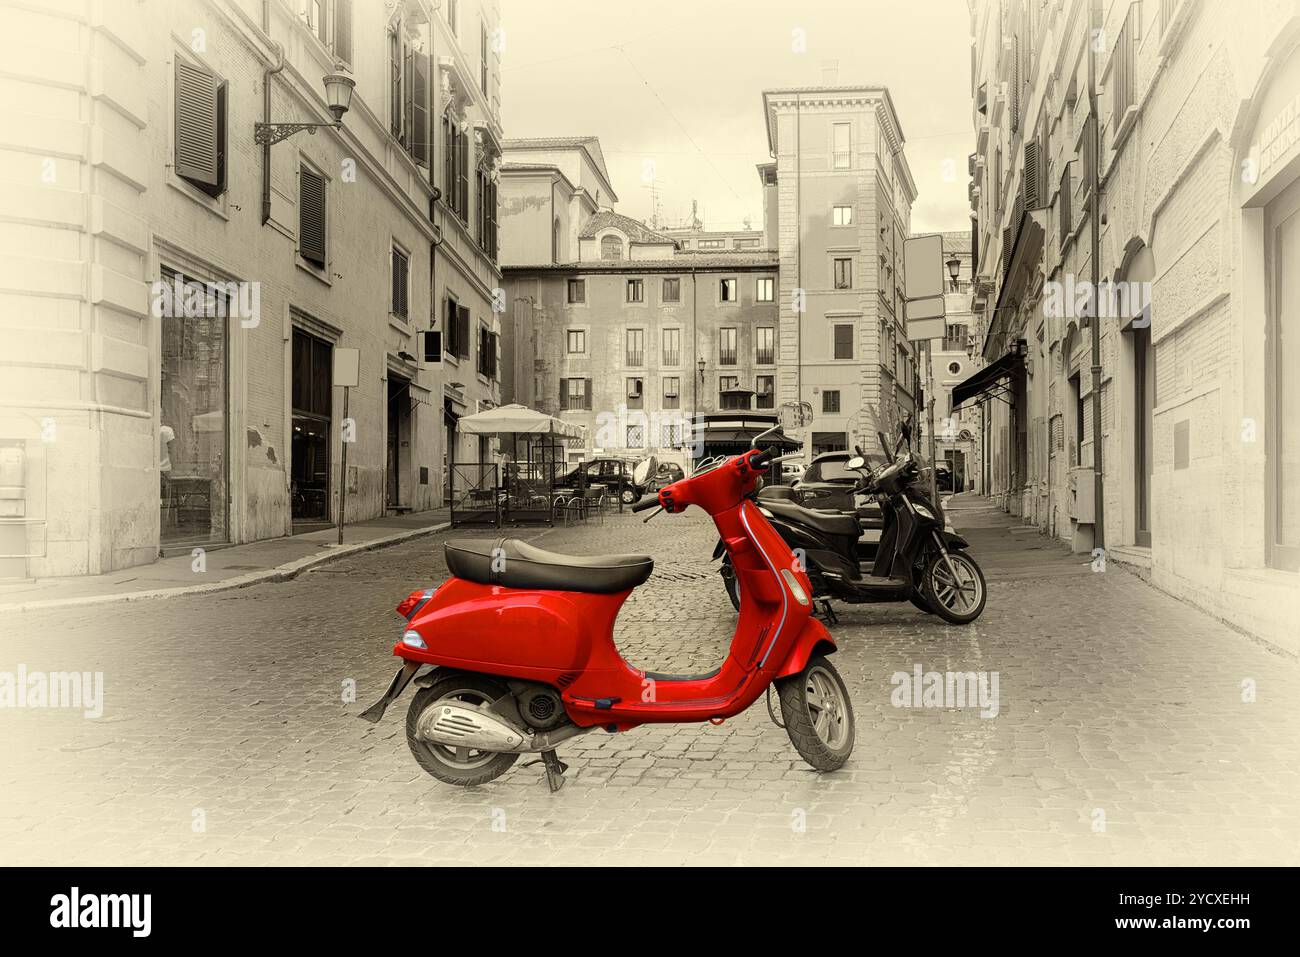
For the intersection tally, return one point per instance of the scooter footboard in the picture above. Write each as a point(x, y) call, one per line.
point(813, 639)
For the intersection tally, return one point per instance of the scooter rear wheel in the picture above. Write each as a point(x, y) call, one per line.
point(818, 714)
point(461, 766)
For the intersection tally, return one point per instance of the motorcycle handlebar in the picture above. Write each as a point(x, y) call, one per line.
point(763, 458)
point(648, 501)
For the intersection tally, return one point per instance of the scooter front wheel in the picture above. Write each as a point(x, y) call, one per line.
point(958, 600)
point(818, 715)
point(465, 767)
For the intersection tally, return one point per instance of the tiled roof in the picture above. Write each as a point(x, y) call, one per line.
point(637, 231)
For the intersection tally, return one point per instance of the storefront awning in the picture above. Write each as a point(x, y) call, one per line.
point(985, 379)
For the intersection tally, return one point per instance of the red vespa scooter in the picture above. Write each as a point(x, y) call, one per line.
point(521, 641)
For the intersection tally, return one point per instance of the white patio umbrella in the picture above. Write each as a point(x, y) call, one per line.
point(518, 420)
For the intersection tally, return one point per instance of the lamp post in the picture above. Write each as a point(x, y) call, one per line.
point(954, 267)
point(338, 97)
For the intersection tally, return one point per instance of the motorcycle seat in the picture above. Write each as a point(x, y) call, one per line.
point(826, 522)
point(511, 563)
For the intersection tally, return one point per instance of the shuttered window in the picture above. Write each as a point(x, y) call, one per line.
point(200, 154)
point(343, 30)
point(311, 216)
point(395, 84)
point(452, 344)
point(462, 330)
point(1032, 175)
point(843, 342)
point(419, 134)
point(401, 273)
point(1066, 211)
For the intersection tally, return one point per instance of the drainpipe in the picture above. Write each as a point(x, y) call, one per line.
point(1094, 213)
point(266, 118)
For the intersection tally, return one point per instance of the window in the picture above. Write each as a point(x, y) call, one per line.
point(843, 341)
point(766, 392)
point(672, 347)
point(343, 30)
point(729, 290)
point(311, 217)
point(727, 346)
point(765, 345)
point(831, 400)
point(577, 342)
point(455, 168)
point(746, 244)
point(457, 326)
point(635, 393)
point(764, 290)
point(452, 14)
point(1079, 410)
point(730, 395)
point(1066, 212)
point(841, 215)
point(312, 13)
point(672, 394)
point(635, 347)
point(401, 272)
point(840, 146)
point(672, 291)
point(672, 434)
point(635, 436)
point(200, 154)
point(575, 395)
point(954, 368)
point(713, 244)
point(483, 58)
point(843, 269)
point(635, 290)
point(828, 442)
point(611, 247)
point(487, 352)
point(1121, 84)
point(577, 290)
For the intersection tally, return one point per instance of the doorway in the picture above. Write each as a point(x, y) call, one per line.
point(1144, 403)
point(398, 438)
point(312, 403)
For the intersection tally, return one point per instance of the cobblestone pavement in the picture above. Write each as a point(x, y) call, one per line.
point(1121, 737)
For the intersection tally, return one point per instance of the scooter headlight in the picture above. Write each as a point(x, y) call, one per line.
point(923, 512)
point(412, 639)
point(796, 589)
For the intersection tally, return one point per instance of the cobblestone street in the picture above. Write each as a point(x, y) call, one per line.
point(1121, 737)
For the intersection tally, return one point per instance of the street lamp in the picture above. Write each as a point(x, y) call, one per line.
point(338, 97)
point(954, 267)
point(700, 365)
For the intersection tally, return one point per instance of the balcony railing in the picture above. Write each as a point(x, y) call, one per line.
point(766, 357)
point(726, 357)
point(636, 358)
point(672, 358)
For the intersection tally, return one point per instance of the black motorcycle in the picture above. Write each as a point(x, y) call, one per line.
point(916, 560)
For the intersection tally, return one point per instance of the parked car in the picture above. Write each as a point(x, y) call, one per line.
point(792, 472)
point(943, 477)
point(665, 474)
point(613, 474)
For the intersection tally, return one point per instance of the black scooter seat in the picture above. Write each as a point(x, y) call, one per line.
point(824, 521)
point(511, 563)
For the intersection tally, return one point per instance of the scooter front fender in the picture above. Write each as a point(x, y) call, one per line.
point(813, 639)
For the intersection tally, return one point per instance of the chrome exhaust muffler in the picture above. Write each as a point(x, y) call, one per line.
point(457, 725)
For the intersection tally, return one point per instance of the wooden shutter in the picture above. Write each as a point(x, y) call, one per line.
point(1066, 197)
point(462, 177)
point(420, 110)
point(1015, 84)
point(197, 137)
point(311, 216)
point(343, 30)
point(408, 97)
point(843, 342)
point(494, 344)
point(586, 396)
point(462, 319)
point(1031, 177)
point(401, 273)
point(564, 393)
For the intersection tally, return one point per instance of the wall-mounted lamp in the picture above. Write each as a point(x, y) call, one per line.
point(700, 365)
point(338, 97)
point(954, 268)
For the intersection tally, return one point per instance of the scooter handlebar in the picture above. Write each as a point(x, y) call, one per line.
point(764, 458)
point(649, 501)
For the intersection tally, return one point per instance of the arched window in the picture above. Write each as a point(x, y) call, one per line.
point(611, 247)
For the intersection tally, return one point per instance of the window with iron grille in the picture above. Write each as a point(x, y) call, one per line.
point(635, 290)
point(727, 346)
point(765, 345)
point(635, 436)
point(672, 347)
point(200, 148)
point(672, 290)
point(311, 217)
point(766, 392)
point(577, 290)
point(672, 393)
point(843, 342)
point(635, 353)
point(843, 273)
point(401, 271)
point(577, 341)
point(831, 400)
point(672, 435)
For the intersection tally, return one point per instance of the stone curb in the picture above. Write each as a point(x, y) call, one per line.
point(280, 573)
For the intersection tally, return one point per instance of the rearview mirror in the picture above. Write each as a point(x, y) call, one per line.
point(857, 462)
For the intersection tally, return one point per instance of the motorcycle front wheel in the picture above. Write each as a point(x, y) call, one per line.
point(818, 715)
point(957, 601)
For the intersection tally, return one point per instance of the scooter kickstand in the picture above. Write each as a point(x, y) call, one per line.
point(828, 612)
point(555, 769)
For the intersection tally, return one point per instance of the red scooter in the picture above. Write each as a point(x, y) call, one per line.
point(521, 641)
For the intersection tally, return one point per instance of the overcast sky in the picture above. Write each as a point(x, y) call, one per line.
point(679, 83)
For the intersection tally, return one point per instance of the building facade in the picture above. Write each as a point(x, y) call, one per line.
point(1192, 146)
point(179, 292)
point(837, 207)
point(952, 360)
